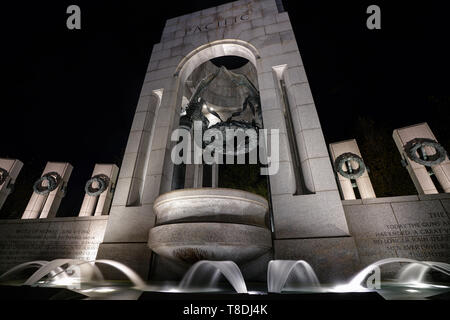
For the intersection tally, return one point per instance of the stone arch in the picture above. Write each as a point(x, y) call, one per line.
point(198, 56)
point(219, 48)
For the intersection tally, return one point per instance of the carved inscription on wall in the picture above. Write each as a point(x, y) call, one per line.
point(25, 241)
point(417, 230)
point(219, 23)
point(418, 240)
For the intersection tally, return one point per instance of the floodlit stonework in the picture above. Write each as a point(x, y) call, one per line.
point(9, 170)
point(418, 172)
point(260, 33)
point(46, 204)
point(307, 217)
point(363, 182)
point(99, 202)
point(157, 217)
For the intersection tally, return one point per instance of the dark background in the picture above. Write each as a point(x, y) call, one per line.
point(70, 95)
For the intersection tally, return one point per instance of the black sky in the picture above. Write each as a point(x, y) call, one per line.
point(71, 95)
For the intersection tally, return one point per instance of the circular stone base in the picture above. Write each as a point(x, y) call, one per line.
point(192, 242)
point(211, 205)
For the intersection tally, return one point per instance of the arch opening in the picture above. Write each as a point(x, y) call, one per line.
point(222, 79)
point(229, 62)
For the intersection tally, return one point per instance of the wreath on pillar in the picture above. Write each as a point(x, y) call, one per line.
point(53, 179)
point(3, 175)
point(413, 146)
point(351, 173)
point(102, 181)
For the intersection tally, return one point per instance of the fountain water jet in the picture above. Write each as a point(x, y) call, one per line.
point(86, 269)
point(415, 273)
point(50, 267)
point(210, 270)
point(356, 283)
point(279, 271)
point(131, 275)
point(412, 273)
point(55, 270)
point(58, 272)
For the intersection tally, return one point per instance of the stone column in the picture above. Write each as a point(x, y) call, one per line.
point(419, 173)
point(11, 169)
point(189, 176)
point(47, 205)
point(364, 184)
point(99, 205)
point(131, 215)
point(198, 176)
point(442, 173)
point(215, 176)
point(190, 173)
point(303, 221)
point(318, 213)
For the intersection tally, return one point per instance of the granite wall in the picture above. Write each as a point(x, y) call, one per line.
point(415, 227)
point(48, 239)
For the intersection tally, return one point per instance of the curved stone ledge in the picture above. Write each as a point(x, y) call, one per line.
point(211, 205)
point(191, 242)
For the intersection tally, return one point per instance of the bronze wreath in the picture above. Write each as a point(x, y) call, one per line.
point(53, 179)
point(354, 173)
point(103, 182)
point(413, 146)
point(3, 175)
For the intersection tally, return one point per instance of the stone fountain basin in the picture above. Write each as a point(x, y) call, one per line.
point(211, 205)
point(192, 242)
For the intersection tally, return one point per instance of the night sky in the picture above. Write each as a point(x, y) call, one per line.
point(70, 95)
